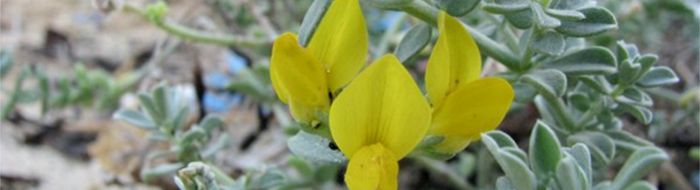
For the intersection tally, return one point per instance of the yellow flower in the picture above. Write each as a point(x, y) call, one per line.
point(377, 120)
point(464, 105)
point(305, 78)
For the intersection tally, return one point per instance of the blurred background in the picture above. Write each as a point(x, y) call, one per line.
point(97, 56)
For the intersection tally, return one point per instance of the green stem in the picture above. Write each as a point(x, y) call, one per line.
point(196, 35)
point(429, 14)
point(559, 111)
point(589, 114)
point(440, 168)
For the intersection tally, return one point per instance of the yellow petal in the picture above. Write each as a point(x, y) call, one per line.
point(382, 105)
point(340, 42)
point(472, 109)
point(455, 59)
point(372, 167)
point(298, 79)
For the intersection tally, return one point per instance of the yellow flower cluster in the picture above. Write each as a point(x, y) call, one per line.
point(379, 116)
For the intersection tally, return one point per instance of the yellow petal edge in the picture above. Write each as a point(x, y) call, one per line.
point(341, 42)
point(298, 79)
point(472, 109)
point(455, 59)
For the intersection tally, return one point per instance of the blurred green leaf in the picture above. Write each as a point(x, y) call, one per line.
point(543, 19)
point(549, 82)
point(597, 20)
point(640, 113)
point(516, 170)
point(544, 150)
point(658, 76)
point(570, 176)
point(638, 164)
point(571, 15)
point(640, 185)
point(549, 42)
point(311, 20)
point(314, 148)
point(601, 146)
point(413, 42)
point(457, 8)
point(591, 60)
point(135, 118)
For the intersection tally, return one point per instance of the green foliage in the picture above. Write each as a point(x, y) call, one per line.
point(555, 167)
point(582, 89)
point(85, 87)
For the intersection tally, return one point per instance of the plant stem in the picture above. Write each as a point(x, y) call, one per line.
point(196, 35)
point(440, 168)
point(429, 14)
point(559, 111)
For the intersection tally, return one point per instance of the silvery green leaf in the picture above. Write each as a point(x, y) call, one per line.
point(545, 110)
point(312, 19)
point(179, 118)
point(521, 19)
point(647, 60)
point(160, 97)
point(570, 176)
point(638, 164)
point(457, 8)
point(502, 183)
point(211, 122)
point(640, 185)
point(628, 71)
point(598, 83)
point(605, 185)
point(658, 76)
point(640, 113)
point(388, 4)
point(135, 118)
point(326, 172)
point(413, 42)
point(598, 20)
point(543, 20)
point(635, 96)
point(580, 101)
point(571, 15)
point(549, 42)
point(499, 139)
point(516, 152)
point(516, 170)
point(507, 8)
point(549, 82)
point(314, 148)
point(601, 146)
point(592, 60)
point(268, 180)
point(160, 170)
point(628, 141)
point(151, 109)
point(301, 166)
point(524, 93)
point(466, 164)
point(574, 43)
point(583, 157)
point(513, 3)
point(574, 4)
point(545, 150)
